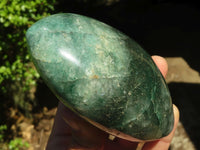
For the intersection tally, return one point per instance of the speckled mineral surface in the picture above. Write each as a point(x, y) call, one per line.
point(101, 74)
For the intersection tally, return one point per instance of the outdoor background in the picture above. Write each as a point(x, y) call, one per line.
point(169, 28)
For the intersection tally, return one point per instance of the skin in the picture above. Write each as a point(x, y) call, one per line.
point(70, 132)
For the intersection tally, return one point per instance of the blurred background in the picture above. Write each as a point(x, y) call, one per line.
point(170, 28)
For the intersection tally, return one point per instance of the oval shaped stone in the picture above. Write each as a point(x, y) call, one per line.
point(101, 74)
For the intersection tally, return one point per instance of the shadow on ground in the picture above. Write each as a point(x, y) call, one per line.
point(185, 96)
point(164, 27)
point(44, 97)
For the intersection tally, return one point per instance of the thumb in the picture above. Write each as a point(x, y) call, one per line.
point(164, 143)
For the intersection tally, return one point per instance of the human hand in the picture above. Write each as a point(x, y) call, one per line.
point(74, 133)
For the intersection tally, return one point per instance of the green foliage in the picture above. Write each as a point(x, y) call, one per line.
point(17, 144)
point(15, 65)
point(3, 128)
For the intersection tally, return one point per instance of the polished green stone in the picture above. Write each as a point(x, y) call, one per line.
point(101, 74)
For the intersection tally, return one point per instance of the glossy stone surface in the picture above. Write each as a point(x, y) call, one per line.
point(101, 74)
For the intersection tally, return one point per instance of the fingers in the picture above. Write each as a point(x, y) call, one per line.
point(176, 120)
point(164, 143)
point(161, 64)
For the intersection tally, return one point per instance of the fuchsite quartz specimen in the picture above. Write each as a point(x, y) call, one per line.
point(101, 74)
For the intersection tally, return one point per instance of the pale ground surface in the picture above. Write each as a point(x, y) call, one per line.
point(179, 73)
